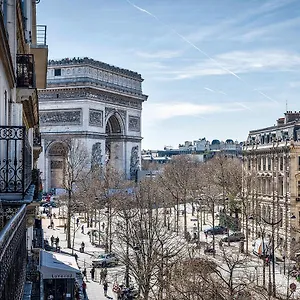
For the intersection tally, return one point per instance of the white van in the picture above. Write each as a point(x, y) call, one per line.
point(260, 247)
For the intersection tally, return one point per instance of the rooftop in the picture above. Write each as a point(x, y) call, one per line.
point(96, 63)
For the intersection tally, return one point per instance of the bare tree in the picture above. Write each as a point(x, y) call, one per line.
point(178, 179)
point(76, 163)
point(143, 242)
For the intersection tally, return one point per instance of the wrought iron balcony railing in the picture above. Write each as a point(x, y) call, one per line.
point(13, 255)
point(15, 160)
point(25, 71)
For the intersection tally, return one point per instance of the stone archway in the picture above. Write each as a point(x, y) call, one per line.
point(57, 160)
point(114, 130)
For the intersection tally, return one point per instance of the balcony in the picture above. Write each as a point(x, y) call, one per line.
point(25, 71)
point(26, 88)
point(39, 49)
point(13, 254)
point(15, 162)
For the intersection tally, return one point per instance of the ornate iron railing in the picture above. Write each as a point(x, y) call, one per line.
point(15, 160)
point(25, 71)
point(13, 256)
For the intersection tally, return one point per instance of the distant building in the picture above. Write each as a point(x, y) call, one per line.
point(200, 149)
point(272, 159)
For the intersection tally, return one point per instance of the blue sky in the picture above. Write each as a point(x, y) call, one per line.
point(213, 69)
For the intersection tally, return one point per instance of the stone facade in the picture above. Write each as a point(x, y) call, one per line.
point(93, 102)
point(272, 161)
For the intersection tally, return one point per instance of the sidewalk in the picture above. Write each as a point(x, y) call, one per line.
point(94, 289)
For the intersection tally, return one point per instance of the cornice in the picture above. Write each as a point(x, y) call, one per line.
point(79, 93)
point(67, 62)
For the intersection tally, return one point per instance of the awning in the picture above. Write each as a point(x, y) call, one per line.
point(57, 266)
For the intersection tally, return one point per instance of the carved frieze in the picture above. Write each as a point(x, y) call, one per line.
point(134, 123)
point(96, 155)
point(96, 118)
point(134, 162)
point(87, 93)
point(60, 117)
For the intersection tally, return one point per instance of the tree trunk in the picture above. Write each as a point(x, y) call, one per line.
point(69, 219)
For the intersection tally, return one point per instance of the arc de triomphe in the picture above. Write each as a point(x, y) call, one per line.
point(97, 104)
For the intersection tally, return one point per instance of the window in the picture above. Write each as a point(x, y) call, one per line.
point(4, 11)
point(281, 163)
point(57, 72)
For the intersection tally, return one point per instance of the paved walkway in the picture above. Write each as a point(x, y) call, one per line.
point(94, 289)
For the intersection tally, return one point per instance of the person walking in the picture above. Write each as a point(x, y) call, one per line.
point(76, 256)
point(102, 277)
point(82, 247)
point(84, 289)
point(77, 222)
point(52, 240)
point(65, 227)
point(84, 274)
point(92, 273)
point(82, 229)
point(56, 242)
point(105, 288)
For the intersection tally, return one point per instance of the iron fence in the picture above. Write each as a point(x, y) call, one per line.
point(15, 160)
point(25, 71)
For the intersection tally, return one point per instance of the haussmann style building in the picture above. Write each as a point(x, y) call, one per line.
point(23, 69)
point(272, 161)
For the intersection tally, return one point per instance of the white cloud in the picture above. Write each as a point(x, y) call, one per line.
point(238, 62)
point(294, 84)
point(268, 30)
point(164, 54)
point(153, 112)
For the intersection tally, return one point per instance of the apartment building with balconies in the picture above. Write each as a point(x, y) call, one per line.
point(271, 158)
point(23, 69)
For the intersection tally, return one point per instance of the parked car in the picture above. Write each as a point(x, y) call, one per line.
point(234, 237)
point(216, 230)
point(105, 260)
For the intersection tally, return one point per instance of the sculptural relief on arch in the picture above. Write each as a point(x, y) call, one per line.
point(97, 104)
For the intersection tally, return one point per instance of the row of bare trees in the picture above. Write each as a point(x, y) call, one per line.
point(155, 256)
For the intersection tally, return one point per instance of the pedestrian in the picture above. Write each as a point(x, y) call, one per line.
point(56, 242)
point(92, 273)
point(84, 274)
point(52, 240)
point(65, 227)
point(76, 256)
point(104, 274)
point(82, 229)
point(105, 288)
point(102, 277)
point(91, 223)
point(77, 222)
point(205, 234)
point(82, 247)
point(221, 243)
point(84, 289)
point(103, 226)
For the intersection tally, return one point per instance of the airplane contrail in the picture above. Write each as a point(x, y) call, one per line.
point(197, 48)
